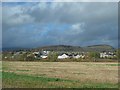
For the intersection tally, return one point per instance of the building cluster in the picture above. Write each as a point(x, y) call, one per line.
point(45, 55)
point(76, 56)
point(107, 55)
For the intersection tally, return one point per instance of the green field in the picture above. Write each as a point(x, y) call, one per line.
point(59, 75)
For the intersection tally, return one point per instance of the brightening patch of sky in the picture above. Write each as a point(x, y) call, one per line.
point(35, 24)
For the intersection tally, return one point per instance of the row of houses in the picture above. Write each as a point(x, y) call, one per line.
point(107, 55)
point(82, 55)
point(64, 56)
point(45, 54)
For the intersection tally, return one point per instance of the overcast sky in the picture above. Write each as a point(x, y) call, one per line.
point(34, 24)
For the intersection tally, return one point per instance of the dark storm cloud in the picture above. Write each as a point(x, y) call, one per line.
point(39, 24)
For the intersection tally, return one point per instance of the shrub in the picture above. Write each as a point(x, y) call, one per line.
point(52, 56)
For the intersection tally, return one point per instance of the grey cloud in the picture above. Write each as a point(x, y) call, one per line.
point(100, 21)
point(77, 12)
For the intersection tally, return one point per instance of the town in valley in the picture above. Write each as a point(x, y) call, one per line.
point(56, 54)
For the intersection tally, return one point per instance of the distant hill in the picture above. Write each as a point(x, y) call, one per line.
point(16, 49)
point(67, 48)
point(99, 48)
point(61, 48)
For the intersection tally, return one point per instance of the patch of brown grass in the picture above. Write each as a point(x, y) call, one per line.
point(81, 71)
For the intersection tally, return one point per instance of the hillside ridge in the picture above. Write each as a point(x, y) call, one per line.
point(69, 48)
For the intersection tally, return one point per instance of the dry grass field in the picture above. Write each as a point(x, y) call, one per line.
point(60, 74)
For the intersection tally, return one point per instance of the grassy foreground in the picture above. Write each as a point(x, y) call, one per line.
point(59, 75)
point(22, 81)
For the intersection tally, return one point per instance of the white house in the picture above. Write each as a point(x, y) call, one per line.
point(5, 57)
point(36, 53)
point(107, 55)
point(103, 55)
point(45, 52)
point(77, 56)
point(83, 56)
point(43, 56)
point(63, 56)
